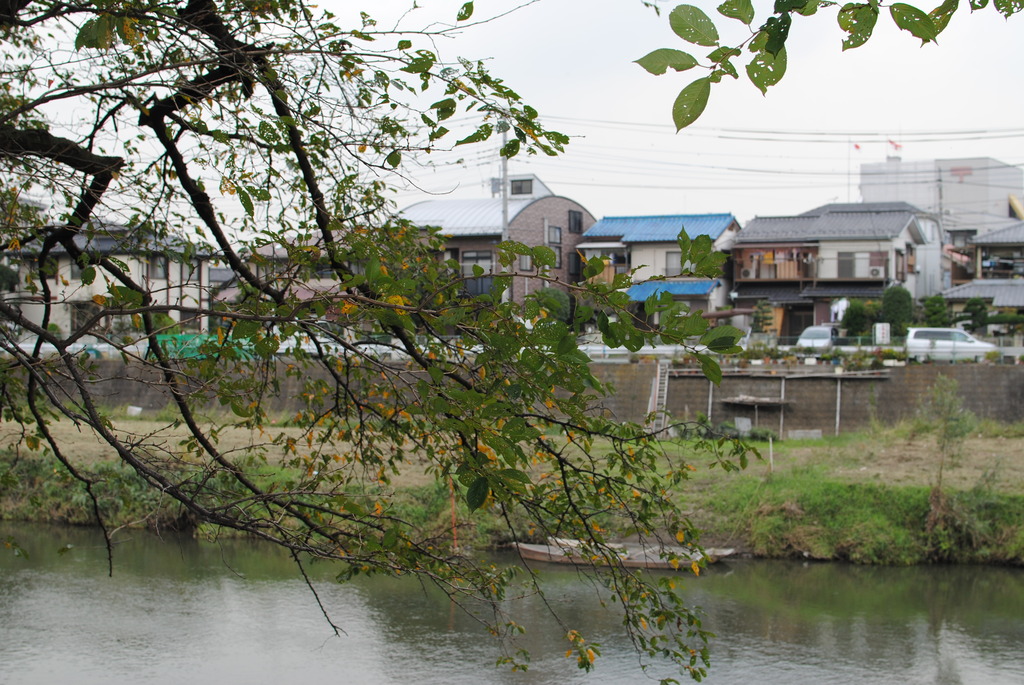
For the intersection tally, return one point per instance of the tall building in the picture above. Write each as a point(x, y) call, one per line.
point(969, 196)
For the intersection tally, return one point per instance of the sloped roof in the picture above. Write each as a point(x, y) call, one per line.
point(1002, 292)
point(845, 290)
point(641, 291)
point(465, 217)
point(869, 221)
point(109, 238)
point(660, 229)
point(1011, 235)
point(863, 207)
point(773, 293)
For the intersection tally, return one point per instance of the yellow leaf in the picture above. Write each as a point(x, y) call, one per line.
point(681, 537)
point(696, 568)
point(100, 300)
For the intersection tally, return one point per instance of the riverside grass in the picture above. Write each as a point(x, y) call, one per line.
point(866, 498)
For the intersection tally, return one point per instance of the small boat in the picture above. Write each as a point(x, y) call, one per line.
point(568, 551)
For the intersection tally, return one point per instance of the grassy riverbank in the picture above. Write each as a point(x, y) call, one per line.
point(864, 497)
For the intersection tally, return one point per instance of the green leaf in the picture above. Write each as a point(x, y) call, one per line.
point(858, 20)
point(246, 201)
point(445, 108)
point(737, 9)
point(477, 493)
point(240, 409)
point(394, 159)
point(465, 12)
point(777, 29)
point(788, 5)
point(692, 25)
point(515, 474)
point(690, 103)
point(712, 371)
point(721, 338)
point(96, 33)
point(1008, 7)
point(543, 256)
point(690, 325)
point(88, 275)
point(765, 69)
point(481, 134)
point(420, 65)
point(593, 267)
point(510, 149)
point(910, 18)
point(943, 13)
point(404, 44)
point(660, 61)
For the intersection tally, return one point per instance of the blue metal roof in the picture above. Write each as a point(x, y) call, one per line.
point(641, 291)
point(660, 229)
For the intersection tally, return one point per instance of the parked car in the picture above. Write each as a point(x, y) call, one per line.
point(820, 337)
point(947, 344)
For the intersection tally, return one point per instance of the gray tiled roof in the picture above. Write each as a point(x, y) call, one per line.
point(1002, 292)
point(863, 207)
point(841, 290)
point(1011, 235)
point(874, 221)
point(772, 293)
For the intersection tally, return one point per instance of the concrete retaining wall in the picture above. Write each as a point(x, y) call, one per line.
point(793, 399)
point(788, 399)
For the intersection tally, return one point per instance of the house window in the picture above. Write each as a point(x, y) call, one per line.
point(525, 262)
point(158, 267)
point(555, 235)
point(847, 265)
point(483, 259)
point(221, 274)
point(878, 263)
point(477, 285)
point(575, 221)
point(76, 270)
point(522, 187)
point(558, 257)
point(575, 266)
point(673, 263)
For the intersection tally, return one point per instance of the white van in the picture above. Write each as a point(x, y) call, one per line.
point(947, 344)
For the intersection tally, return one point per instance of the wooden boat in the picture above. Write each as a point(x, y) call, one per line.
point(565, 551)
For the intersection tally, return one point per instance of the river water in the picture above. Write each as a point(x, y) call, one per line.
point(179, 611)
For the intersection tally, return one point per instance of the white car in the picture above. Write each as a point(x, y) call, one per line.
point(946, 344)
point(818, 337)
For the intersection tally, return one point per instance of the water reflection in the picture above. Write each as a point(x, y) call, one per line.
point(176, 610)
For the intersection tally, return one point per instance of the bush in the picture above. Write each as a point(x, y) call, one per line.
point(857, 320)
point(897, 309)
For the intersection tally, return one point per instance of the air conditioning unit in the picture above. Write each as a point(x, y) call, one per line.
point(745, 273)
point(875, 272)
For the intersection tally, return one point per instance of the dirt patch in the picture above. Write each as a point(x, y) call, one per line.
point(887, 457)
point(893, 459)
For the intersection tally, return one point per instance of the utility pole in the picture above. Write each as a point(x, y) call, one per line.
point(504, 206)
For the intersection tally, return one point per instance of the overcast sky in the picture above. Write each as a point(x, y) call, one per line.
point(748, 155)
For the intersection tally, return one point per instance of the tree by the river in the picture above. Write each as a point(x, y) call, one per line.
point(264, 138)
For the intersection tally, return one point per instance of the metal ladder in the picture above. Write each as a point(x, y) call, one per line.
point(660, 397)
